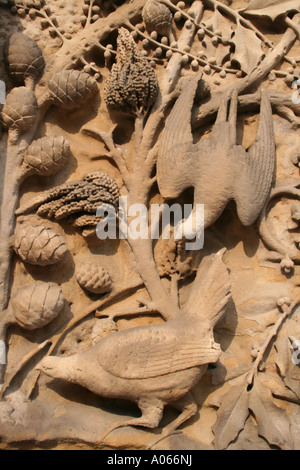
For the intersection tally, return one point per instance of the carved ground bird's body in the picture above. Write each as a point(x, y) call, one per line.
point(217, 168)
point(157, 364)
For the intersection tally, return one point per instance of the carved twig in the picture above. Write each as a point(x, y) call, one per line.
point(115, 153)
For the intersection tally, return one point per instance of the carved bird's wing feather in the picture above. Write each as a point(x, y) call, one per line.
point(173, 169)
point(256, 168)
point(152, 351)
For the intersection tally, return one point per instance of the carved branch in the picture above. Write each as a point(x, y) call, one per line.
point(271, 61)
point(116, 154)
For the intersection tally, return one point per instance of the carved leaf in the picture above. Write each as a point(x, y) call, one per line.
point(221, 53)
point(271, 8)
point(232, 417)
point(272, 421)
point(219, 23)
point(248, 49)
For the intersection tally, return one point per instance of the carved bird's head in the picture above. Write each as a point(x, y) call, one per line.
point(59, 368)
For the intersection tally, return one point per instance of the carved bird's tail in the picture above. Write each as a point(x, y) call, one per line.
point(173, 169)
point(210, 293)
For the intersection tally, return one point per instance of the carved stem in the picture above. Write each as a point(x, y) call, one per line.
point(143, 248)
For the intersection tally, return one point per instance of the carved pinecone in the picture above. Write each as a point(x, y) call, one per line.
point(23, 57)
point(39, 245)
point(20, 110)
point(71, 88)
point(48, 155)
point(94, 278)
point(36, 305)
point(157, 17)
point(132, 83)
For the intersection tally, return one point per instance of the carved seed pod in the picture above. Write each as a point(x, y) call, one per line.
point(39, 245)
point(20, 110)
point(157, 17)
point(71, 88)
point(48, 155)
point(94, 278)
point(23, 57)
point(36, 305)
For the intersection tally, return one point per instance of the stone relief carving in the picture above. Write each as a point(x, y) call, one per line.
point(118, 342)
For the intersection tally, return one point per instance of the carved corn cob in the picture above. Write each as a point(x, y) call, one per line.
point(133, 83)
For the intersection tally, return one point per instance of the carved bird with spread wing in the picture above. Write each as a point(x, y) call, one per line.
point(217, 167)
point(158, 364)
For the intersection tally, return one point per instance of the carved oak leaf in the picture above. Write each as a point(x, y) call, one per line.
point(248, 49)
point(272, 421)
point(219, 23)
point(232, 417)
point(271, 8)
point(220, 52)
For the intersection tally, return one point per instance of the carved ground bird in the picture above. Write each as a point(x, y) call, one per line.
point(217, 167)
point(159, 364)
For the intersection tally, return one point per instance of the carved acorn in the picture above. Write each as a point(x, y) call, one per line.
point(39, 245)
point(23, 57)
point(94, 278)
point(48, 155)
point(157, 17)
point(19, 111)
point(71, 88)
point(36, 305)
